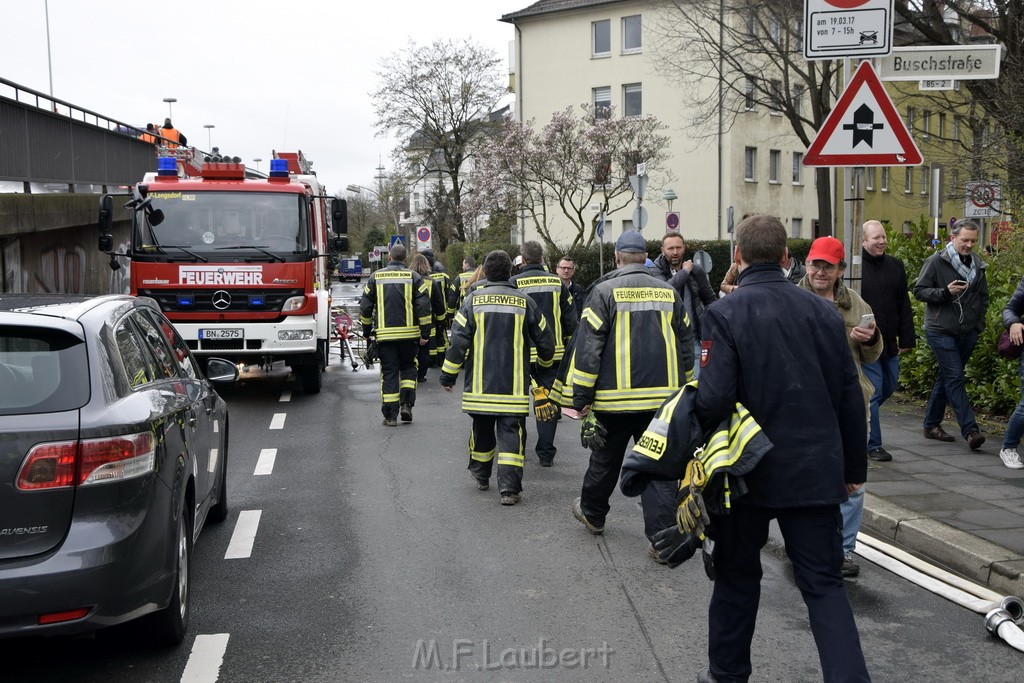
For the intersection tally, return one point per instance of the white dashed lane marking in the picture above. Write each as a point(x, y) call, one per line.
point(205, 661)
point(265, 465)
point(286, 396)
point(244, 536)
point(277, 422)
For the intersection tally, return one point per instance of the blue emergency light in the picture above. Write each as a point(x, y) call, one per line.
point(256, 300)
point(185, 301)
point(166, 166)
point(278, 168)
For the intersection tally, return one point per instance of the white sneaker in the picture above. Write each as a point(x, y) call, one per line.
point(1011, 458)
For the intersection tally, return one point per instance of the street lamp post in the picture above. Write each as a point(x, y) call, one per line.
point(257, 160)
point(209, 136)
point(170, 101)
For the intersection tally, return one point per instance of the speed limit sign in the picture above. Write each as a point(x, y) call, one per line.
point(982, 199)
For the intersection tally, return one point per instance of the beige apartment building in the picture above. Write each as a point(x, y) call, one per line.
point(573, 52)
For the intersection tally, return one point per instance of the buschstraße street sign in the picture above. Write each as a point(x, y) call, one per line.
point(941, 62)
point(847, 28)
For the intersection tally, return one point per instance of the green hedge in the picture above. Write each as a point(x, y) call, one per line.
point(993, 384)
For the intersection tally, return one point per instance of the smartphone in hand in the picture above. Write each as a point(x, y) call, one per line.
point(867, 320)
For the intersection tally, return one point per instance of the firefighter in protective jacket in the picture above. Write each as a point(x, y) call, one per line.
point(634, 349)
point(443, 282)
point(556, 305)
point(498, 324)
point(395, 309)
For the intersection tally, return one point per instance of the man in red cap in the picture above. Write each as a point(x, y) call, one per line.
point(826, 263)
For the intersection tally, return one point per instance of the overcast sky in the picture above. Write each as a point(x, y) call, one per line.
point(267, 74)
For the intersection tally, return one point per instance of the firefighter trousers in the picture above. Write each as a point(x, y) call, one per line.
point(814, 544)
point(440, 344)
point(658, 499)
point(425, 359)
point(504, 435)
point(397, 374)
point(546, 430)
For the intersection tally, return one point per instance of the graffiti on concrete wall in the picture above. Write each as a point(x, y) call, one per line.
point(61, 268)
point(13, 273)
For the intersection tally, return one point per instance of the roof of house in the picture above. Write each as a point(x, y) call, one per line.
point(549, 6)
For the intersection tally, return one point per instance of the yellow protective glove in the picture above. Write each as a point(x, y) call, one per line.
point(691, 514)
point(543, 407)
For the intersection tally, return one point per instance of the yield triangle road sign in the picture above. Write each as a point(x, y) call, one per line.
point(864, 128)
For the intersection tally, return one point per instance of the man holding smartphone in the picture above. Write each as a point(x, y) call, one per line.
point(826, 263)
point(954, 290)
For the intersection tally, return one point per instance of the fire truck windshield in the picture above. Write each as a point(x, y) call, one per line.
point(267, 224)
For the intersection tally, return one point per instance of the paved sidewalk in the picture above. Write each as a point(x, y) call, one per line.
point(961, 509)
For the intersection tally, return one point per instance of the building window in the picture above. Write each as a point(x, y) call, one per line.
point(748, 94)
point(602, 38)
point(774, 159)
point(954, 183)
point(885, 179)
point(631, 35)
point(869, 178)
point(416, 202)
point(941, 131)
point(749, 163)
point(796, 227)
point(926, 123)
point(632, 100)
point(603, 102)
point(775, 93)
point(752, 22)
point(910, 119)
point(775, 30)
point(798, 99)
point(908, 180)
point(926, 173)
point(798, 168)
point(955, 135)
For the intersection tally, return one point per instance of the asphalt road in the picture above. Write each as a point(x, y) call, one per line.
point(376, 559)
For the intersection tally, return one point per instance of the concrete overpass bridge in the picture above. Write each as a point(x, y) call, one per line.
point(56, 160)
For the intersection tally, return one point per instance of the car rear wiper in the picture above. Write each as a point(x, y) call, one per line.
point(272, 255)
point(194, 255)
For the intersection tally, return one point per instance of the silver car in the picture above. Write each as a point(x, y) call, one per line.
point(113, 454)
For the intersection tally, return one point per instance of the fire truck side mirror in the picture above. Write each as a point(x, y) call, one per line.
point(106, 244)
point(339, 216)
point(339, 244)
point(106, 217)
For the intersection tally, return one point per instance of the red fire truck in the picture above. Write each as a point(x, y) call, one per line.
point(237, 263)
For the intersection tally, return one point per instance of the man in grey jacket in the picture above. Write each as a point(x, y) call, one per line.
point(953, 286)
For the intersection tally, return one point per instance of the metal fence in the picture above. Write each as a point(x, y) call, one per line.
point(47, 140)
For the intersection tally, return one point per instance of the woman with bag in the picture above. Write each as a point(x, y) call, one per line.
point(1015, 428)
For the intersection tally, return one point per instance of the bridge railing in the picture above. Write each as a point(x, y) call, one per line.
point(46, 140)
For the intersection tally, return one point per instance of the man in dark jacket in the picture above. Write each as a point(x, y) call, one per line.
point(884, 287)
point(566, 270)
point(688, 279)
point(781, 352)
point(953, 286)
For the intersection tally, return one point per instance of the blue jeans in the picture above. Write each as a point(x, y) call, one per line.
point(952, 353)
point(852, 511)
point(884, 375)
point(1015, 427)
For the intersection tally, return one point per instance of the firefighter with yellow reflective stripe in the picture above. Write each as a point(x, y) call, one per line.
point(465, 277)
point(634, 349)
point(395, 308)
point(555, 303)
point(424, 358)
point(450, 294)
point(492, 335)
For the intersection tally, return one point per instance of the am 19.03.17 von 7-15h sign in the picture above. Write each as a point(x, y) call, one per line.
point(864, 129)
point(847, 28)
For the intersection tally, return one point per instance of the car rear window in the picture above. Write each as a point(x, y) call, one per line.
point(41, 371)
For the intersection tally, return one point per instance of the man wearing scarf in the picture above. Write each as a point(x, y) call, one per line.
point(953, 286)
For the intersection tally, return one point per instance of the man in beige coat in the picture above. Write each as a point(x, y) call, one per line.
point(826, 263)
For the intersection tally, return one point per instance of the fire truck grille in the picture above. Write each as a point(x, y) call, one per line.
point(203, 300)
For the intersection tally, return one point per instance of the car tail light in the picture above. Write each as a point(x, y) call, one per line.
point(58, 617)
point(86, 462)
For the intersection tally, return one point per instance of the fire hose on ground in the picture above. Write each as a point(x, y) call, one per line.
point(1004, 615)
